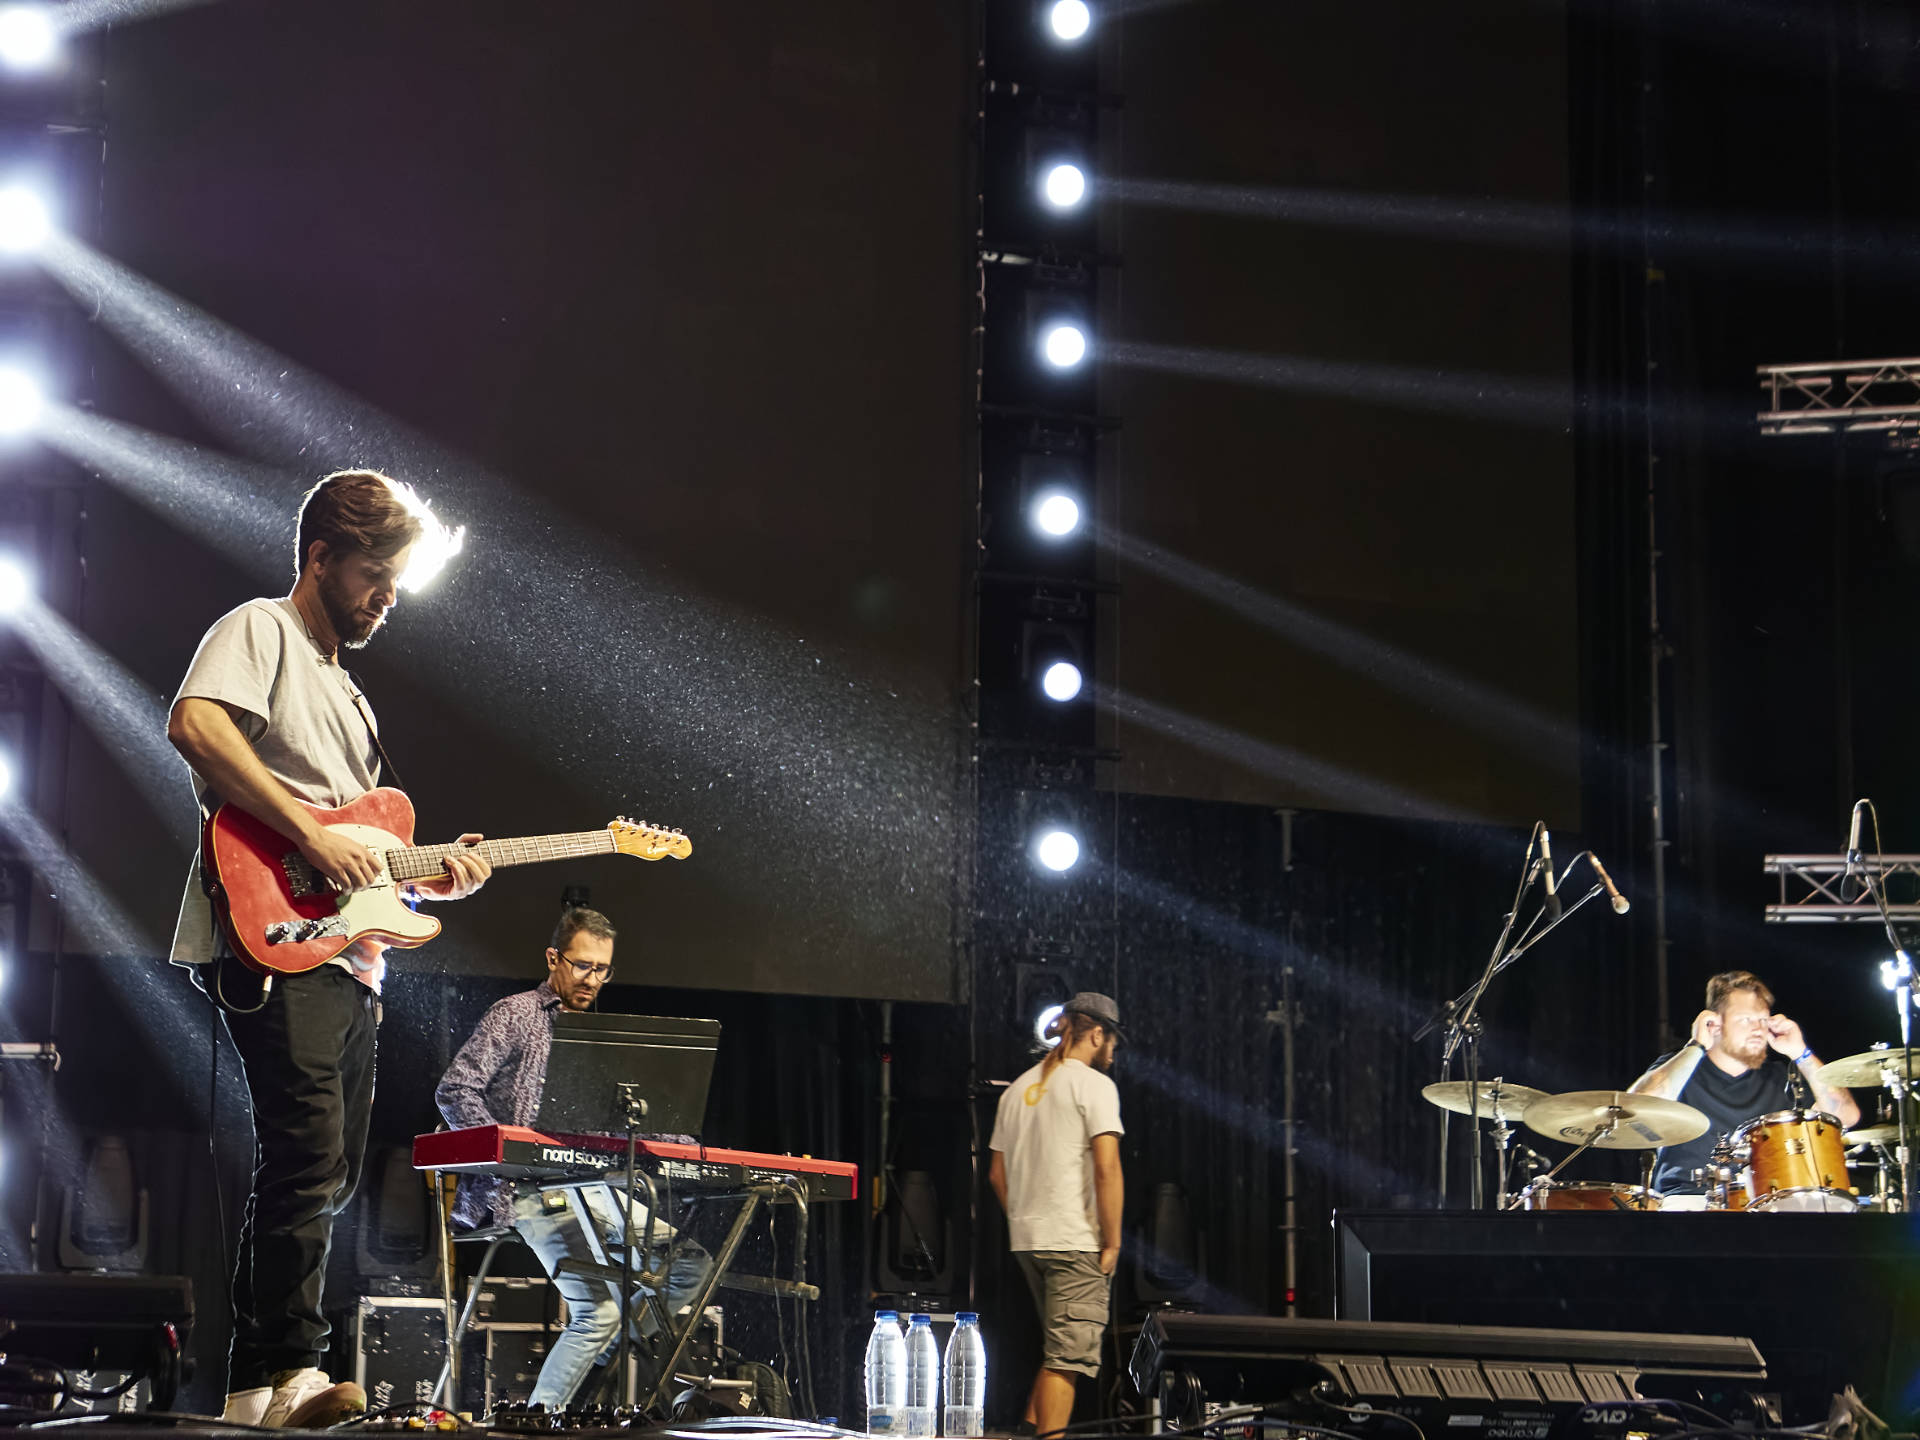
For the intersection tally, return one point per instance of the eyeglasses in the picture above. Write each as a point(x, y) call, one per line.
point(584, 968)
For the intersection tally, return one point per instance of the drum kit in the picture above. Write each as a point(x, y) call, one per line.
point(1787, 1162)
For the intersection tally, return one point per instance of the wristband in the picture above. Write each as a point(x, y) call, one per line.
point(1691, 1041)
point(1804, 1056)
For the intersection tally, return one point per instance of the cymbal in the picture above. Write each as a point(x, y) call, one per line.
point(1867, 1069)
point(1496, 1098)
point(1871, 1135)
point(1640, 1122)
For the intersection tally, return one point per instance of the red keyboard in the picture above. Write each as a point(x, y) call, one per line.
point(516, 1152)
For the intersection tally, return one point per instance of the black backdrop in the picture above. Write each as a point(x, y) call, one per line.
point(643, 274)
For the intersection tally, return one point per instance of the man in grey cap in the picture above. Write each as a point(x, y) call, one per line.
point(1056, 1169)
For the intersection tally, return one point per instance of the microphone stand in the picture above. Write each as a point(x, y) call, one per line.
point(636, 1111)
point(1898, 976)
point(1463, 1027)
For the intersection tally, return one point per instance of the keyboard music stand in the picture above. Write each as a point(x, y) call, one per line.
point(625, 1074)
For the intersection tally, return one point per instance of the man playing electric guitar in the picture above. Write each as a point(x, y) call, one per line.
point(267, 718)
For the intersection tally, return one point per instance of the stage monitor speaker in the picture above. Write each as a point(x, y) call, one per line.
point(136, 1324)
point(396, 1236)
point(104, 1216)
point(1434, 1375)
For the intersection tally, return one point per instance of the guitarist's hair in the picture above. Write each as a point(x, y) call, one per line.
point(576, 918)
point(358, 510)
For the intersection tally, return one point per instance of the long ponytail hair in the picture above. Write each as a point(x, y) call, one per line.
point(1065, 1030)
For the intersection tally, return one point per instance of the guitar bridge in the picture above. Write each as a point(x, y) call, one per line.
point(296, 932)
point(301, 877)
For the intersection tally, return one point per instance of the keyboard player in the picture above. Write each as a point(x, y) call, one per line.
point(497, 1079)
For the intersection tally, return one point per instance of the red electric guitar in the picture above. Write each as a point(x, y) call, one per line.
point(283, 917)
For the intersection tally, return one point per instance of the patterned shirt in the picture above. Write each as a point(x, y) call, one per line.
point(496, 1079)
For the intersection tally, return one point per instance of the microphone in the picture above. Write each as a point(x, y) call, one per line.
point(1853, 833)
point(1620, 902)
point(1546, 861)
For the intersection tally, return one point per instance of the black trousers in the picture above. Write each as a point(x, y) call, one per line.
point(308, 1056)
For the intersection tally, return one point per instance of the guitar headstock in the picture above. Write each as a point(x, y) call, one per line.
point(649, 842)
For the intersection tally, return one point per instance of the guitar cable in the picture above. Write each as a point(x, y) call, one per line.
point(213, 1130)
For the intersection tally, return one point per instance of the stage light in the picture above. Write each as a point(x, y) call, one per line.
point(1069, 19)
point(6, 777)
point(16, 586)
point(1061, 681)
point(1044, 1019)
point(1056, 513)
point(1064, 345)
point(20, 401)
point(436, 546)
point(1058, 850)
point(1065, 186)
point(24, 222)
point(27, 38)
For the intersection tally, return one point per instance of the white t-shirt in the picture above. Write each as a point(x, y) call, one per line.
point(1045, 1128)
point(299, 714)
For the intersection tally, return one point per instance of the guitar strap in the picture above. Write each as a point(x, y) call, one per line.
point(389, 772)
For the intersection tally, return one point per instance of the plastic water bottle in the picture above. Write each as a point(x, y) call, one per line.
point(886, 1374)
point(966, 1377)
point(923, 1376)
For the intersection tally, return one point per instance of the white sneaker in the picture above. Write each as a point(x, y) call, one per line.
point(309, 1400)
point(247, 1407)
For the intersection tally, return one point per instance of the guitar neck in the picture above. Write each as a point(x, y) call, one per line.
point(426, 862)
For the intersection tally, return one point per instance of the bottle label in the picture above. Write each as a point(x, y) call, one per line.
point(879, 1422)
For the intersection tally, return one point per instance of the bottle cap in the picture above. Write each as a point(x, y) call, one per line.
point(967, 1317)
point(886, 1315)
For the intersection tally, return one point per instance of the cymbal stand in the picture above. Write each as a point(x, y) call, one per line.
point(1614, 1112)
point(1502, 1133)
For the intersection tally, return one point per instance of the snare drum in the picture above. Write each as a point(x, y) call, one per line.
point(1585, 1195)
point(1796, 1164)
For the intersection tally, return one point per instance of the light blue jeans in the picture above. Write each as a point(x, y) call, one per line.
point(551, 1230)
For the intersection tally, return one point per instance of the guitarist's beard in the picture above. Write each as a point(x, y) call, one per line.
point(354, 627)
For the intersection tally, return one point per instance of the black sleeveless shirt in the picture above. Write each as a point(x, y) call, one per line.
point(1728, 1102)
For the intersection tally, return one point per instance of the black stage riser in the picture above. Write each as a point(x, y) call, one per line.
point(1830, 1300)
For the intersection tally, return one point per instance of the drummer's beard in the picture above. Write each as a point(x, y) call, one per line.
point(1751, 1052)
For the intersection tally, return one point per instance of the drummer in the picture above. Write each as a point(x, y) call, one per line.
point(1750, 1058)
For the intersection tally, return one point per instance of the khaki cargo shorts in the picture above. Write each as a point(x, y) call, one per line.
point(1071, 1294)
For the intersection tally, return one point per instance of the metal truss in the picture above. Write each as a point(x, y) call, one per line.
point(1824, 889)
point(1849, 396)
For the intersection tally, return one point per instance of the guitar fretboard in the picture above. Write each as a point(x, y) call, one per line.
point(425, 862)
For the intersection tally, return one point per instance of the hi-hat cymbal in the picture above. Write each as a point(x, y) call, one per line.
point(1871, 1135)
point(1868, 1069)
point(1639, 1122)
point(1497, 1098)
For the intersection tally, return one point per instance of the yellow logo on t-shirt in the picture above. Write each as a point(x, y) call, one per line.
point(1034, 1092)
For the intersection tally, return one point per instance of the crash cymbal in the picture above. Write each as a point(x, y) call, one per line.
point(1868, 1069)
point(1497, 1097)
point(1871, 1135)
point(1640, 1122)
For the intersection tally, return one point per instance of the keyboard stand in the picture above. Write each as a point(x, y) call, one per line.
point(680, 1328)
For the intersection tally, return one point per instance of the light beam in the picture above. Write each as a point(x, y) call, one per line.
point(127, 718)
